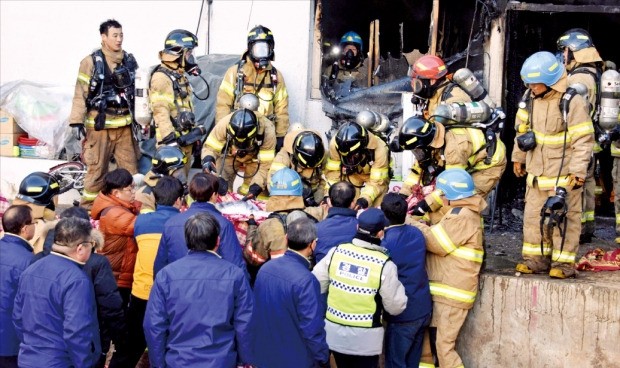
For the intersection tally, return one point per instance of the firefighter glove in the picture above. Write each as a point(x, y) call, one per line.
point(420, 209)
point(208, 164)
point(518, 169)
point(223, 186)
point(361, 203)
point(575, 182)
point(254, 190)
point(78, 132)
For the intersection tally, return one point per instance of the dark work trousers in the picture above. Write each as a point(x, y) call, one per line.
point(135, 318)
point(355, 361)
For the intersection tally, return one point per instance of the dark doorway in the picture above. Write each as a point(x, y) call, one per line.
point(530, 31)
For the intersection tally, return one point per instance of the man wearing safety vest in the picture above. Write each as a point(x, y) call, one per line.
point(361, 281)
point(453, 263)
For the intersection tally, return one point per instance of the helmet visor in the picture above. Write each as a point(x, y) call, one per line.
point(244, 144)
point(260, 50)
point(353, 159)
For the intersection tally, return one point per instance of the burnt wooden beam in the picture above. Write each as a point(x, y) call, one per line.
point(522, 6)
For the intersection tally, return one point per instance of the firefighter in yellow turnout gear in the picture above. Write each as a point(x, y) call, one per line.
point(102, 103)
point(303, 151)
point(462, 148)
point(247, 140)
point(584, 66)
point(453, 262)
point(555, 146)
point(437, 147)
point(255, 74)
point(361, 158)
point(170, 95)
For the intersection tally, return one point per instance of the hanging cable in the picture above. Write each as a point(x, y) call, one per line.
point(471, 32)
point(202, 4)
point(250, 15)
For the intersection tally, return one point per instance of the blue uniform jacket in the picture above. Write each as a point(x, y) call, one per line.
point(407, 250)
point(15, 256)
point(172, 245)
point(288, 322)
point(339, 227)
point(55, 315)
point(110, 312)
point(199, 314)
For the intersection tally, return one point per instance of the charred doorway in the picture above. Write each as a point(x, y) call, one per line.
point(536, 27)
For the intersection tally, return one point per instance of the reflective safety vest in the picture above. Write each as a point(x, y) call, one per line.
point(355, 279)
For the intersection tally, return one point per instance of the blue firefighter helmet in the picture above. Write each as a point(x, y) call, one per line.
point(456, 184)
point(542, 67)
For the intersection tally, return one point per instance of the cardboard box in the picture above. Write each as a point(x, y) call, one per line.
point(8, 125)
point(7, 144)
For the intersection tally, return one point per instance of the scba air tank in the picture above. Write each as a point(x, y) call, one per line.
point(142, 113)
point(466, 79)
point(610, 100)
point(462, 112)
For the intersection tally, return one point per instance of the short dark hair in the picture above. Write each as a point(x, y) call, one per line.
point(201, 232)
point(202, 186)
point(116, 179)
point(342, 194)
point(300, 233)
point(394, 208)
point(110, 23)
point(167, 190)
point(70, 231)
point(16, 217)
point(75, 211)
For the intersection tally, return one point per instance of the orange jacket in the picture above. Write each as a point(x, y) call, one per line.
point(116, 222)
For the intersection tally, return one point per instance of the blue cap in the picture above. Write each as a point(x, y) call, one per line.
point(372, 221)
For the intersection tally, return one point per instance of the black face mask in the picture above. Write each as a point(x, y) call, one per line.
point(422, 88)
point(122, 77)
point(191, 67)
point(349, 60)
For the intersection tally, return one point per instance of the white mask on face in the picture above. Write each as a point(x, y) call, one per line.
point(260, 50)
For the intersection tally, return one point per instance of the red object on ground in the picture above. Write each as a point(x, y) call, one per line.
point(599, 260)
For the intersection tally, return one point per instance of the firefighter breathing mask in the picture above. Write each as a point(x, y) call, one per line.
point(260, 52)
point(355, 161)
point(121, 77)
point(527, 141)
point(423, 88)
point(350, 60)
point(191, 66)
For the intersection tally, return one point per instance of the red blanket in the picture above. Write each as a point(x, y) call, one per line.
point(599, 260)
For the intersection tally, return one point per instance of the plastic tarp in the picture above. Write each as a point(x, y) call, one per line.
point(41, 110)
point(213, 67)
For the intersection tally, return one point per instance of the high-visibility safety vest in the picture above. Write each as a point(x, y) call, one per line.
point(355, 279)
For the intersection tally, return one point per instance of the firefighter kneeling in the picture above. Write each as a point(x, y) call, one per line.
point(248, 143)
point(361, 158)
